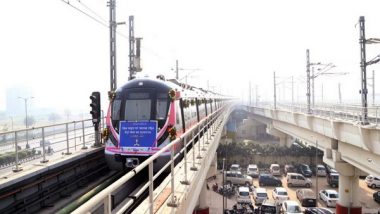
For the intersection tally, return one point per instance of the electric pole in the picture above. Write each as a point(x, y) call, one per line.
point(322, 93)
point(250, 90)
point(363, 73)
point(137, 65)
point(340, 94)
point(292, 91)
point(112, 5)
point(176, 69)
point(312, 86)
point(257, 97)
point(134, 50)
point(373, 87)
point(131, 47)
point(274, 89)
point(308, 80)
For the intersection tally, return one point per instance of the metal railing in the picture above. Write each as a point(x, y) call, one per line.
point(43, 142)
point(203, 129)
point(343, 112)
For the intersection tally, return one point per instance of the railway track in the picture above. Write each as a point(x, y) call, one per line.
point(46, 189)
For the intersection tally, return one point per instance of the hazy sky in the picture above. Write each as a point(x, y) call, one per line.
point(63, 55)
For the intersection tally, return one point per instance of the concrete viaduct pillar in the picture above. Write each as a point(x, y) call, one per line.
point(203, 197)
point(348, 187)
point(203, 207)
point(348, 195)
point(285, 140)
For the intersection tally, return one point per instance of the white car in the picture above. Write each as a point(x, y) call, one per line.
point(253, 170)
point(296, 179)
point(259, 195)
point(280, 194)
point(372, 181)
point(235, 168)
point(291, 207)
point(243, 195)
point(321, 170)
point(236, 178)
point(275, 169)
point(329, 196)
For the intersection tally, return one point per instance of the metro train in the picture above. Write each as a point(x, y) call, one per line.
point(146, 114)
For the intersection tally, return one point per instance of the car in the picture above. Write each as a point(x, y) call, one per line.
point(329, 196)
point(268, 207)
point(236, 178)
point(243, 195)
point(321, 170)
point(318, 210)
point(289, 168)
point(376, 196)
point(275, 169)
point(253, 170)
point(372, 181)
point(269, 180)
point(235, 167)
point(291, 207)
point(333, 179)
point(306, 197)
point(280, 194)
point(241, 208)
point(259, 195)
point(304, 169)
point(329, 169)
point(296, 179)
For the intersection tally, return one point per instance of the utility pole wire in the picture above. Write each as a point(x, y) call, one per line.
point(86, 14)
point(103, 22)
point(93, 18)
point(92, 11)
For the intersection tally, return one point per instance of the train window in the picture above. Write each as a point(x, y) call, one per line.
point(138, 106)
point(162, 106)
point(116, 109)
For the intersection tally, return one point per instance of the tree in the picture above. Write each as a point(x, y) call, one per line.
point(4, 129)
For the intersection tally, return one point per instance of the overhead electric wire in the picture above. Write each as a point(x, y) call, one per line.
point(92, 11)
point(93, 18)
point(104, 23)
point(86, 14)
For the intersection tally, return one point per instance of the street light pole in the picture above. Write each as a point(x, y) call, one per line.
point(26, 117)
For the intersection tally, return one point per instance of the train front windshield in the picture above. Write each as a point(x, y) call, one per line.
point(139, 106)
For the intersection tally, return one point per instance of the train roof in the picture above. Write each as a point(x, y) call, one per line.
point(186, 91)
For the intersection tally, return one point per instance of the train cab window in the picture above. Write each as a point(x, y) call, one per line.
point(116, 105)
point(116, 109)
point(138, 106)
point(162, 106)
